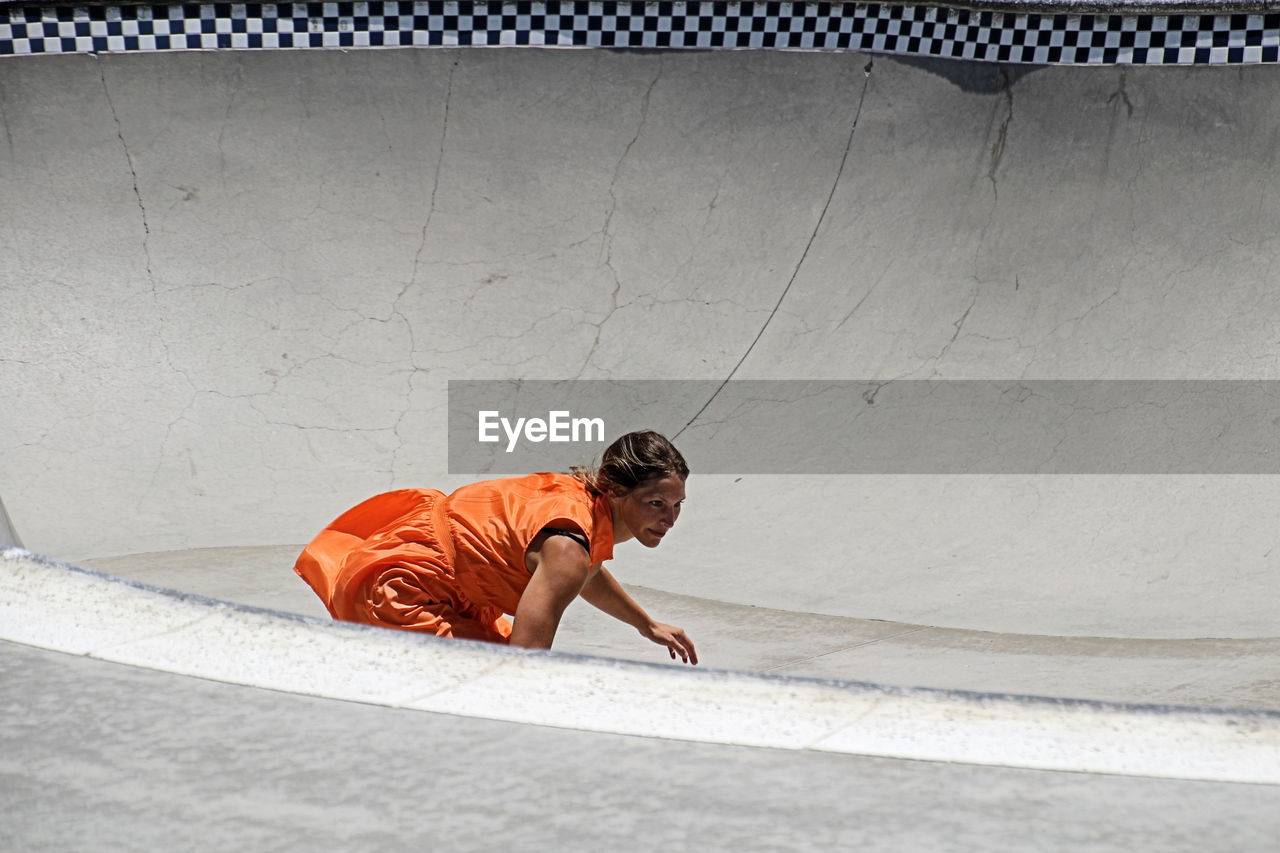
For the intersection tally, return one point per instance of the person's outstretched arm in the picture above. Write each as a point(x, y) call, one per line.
point(562, 567)
point(604, 592)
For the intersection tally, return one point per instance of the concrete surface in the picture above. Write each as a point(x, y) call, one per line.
point(64, 608)
point(233, 287)
point(150, 761)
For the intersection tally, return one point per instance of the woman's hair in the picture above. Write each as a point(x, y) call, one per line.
point(634, 458)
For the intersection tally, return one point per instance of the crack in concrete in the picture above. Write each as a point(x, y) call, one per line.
point(795, 273)
point(396, 312)
point(222, 129)
point(607, 241)
point(4, 121)
point(151, 280)
point(959, 325)
point(435, 185)
point(1120, 96)
point(606, 233)
point(1004, 86)
point(884, 273)
point(133, 172)
point(1117, 99)
point(163, 455)
point(1002, 136)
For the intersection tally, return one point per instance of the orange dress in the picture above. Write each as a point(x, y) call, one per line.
point(450, 565)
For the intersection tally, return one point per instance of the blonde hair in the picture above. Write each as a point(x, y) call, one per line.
point(632, 459)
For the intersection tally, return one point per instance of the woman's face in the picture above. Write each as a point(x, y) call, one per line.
point(648, 511)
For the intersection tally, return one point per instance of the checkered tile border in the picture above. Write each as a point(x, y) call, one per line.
point(913, 30)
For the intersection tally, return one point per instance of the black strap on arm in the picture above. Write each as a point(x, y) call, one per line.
point(572, 534)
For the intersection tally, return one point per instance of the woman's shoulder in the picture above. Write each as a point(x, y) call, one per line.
point(553, 481)
point(542, 484)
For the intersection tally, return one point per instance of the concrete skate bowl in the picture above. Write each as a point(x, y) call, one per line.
point(237, 285)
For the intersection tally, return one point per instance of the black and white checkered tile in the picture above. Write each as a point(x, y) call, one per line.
point(914, 30)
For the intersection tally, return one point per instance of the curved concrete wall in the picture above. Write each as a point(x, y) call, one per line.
point(236, 284)
point(43, 603)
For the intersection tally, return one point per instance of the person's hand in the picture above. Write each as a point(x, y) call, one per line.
point(675, 639)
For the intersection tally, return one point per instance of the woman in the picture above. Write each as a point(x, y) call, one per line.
point(452, 565)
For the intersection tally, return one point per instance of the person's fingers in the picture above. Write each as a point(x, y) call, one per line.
point(676, 641)
point(685, 647)
point(691, 651)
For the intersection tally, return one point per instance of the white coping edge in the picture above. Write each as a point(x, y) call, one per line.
point(54, 605)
